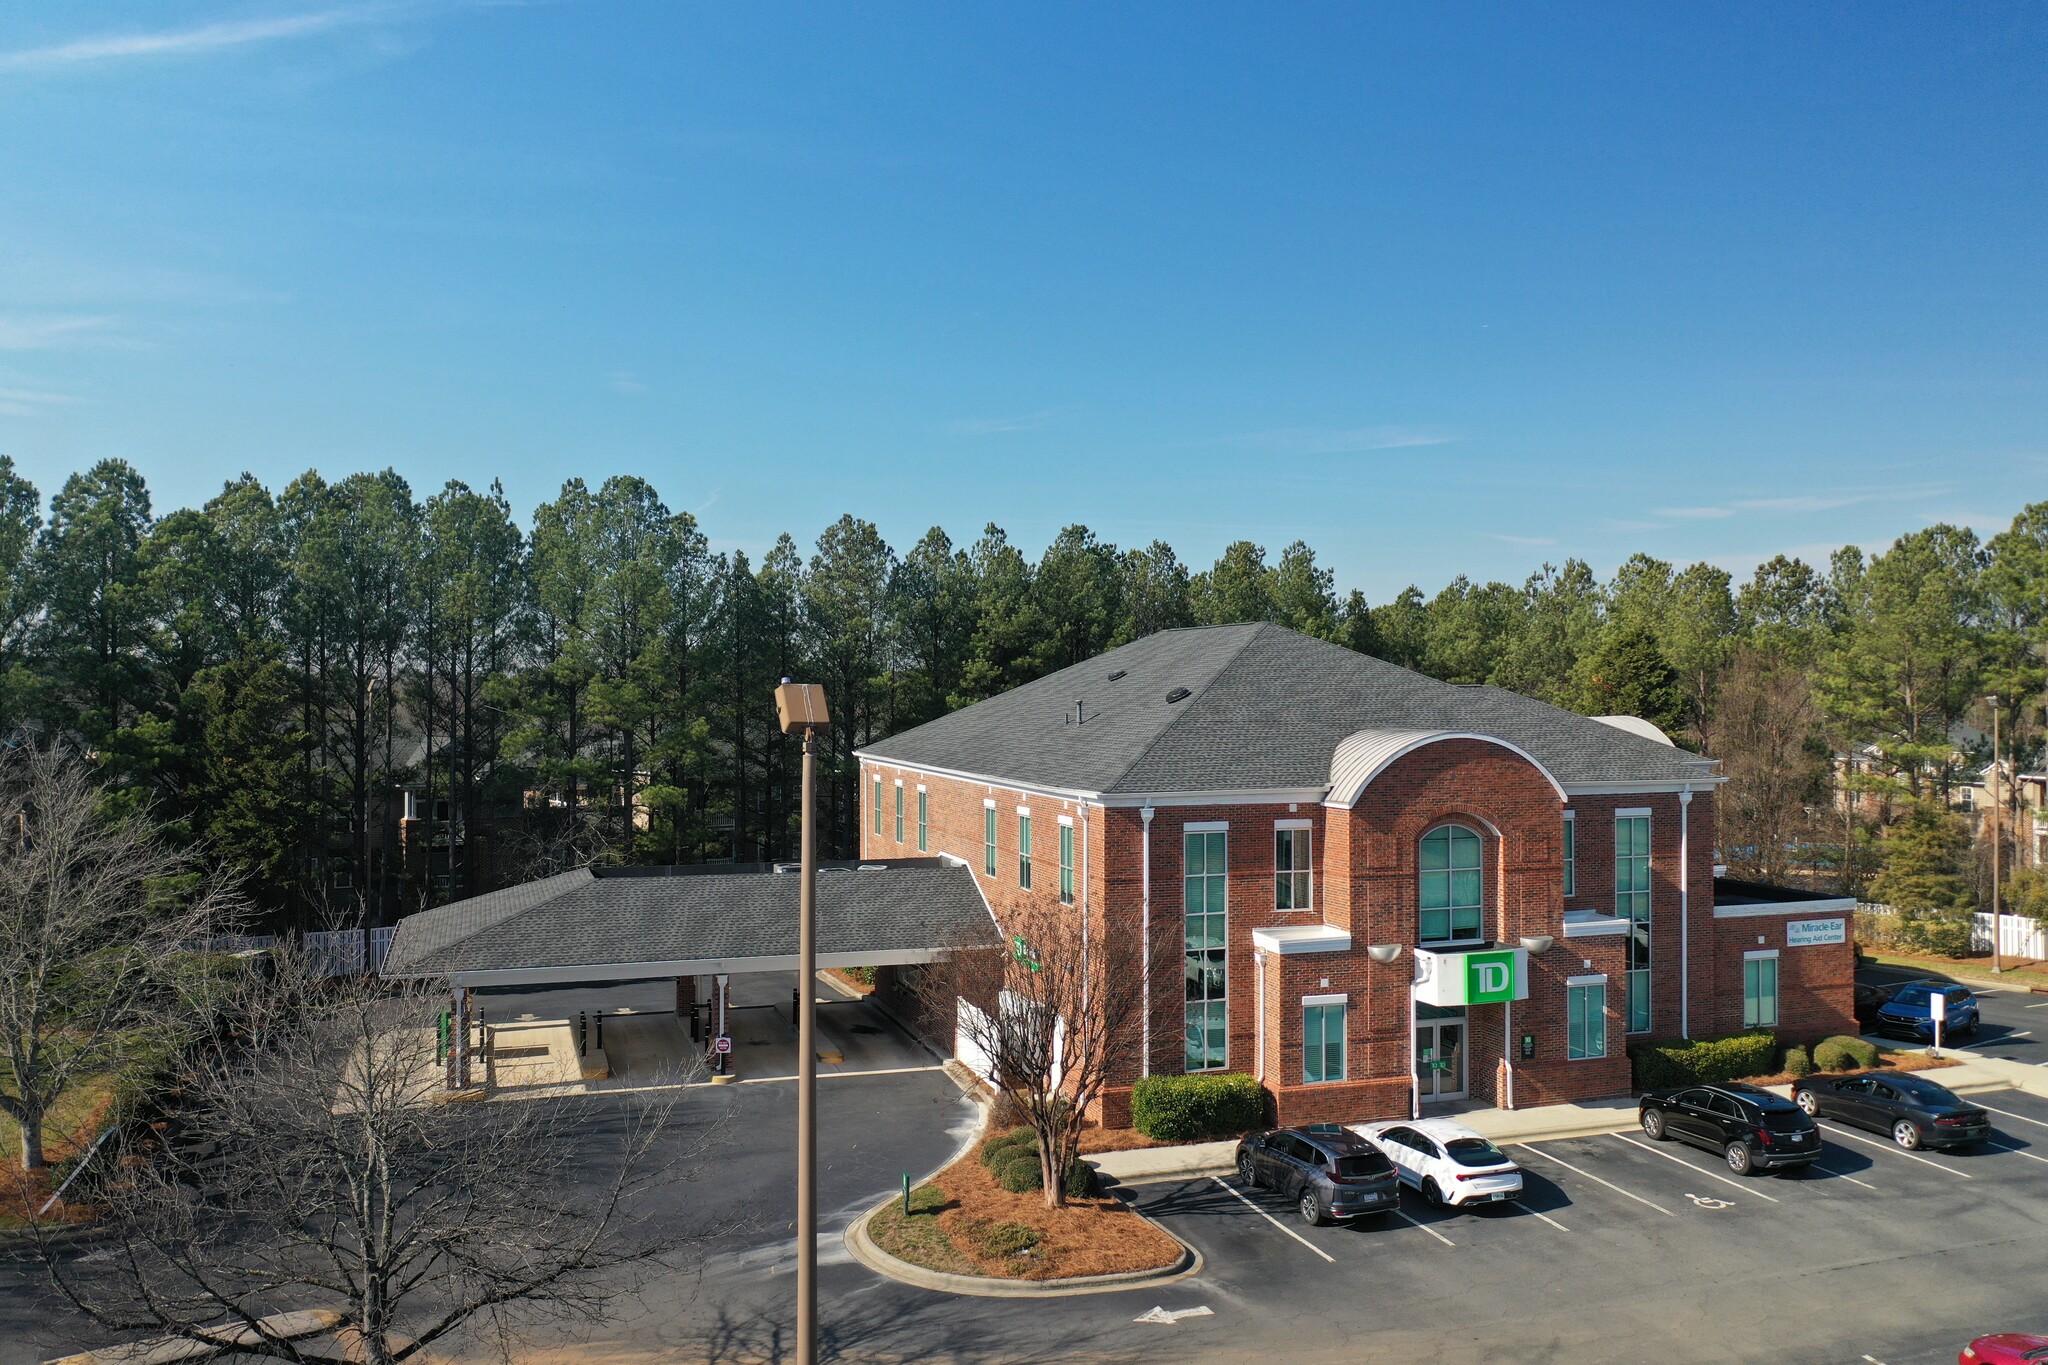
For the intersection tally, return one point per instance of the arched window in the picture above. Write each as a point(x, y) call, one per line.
point(1450, 891)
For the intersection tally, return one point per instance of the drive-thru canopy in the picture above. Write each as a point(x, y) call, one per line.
point(632, 923)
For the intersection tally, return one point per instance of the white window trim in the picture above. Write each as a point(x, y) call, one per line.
point(920, 786)
point(1024, 811)
point(1598, 979)
point(1206, 827)
point(899, 781)
point(1759, 953)
point(1294, 824)
point(1631, 812)
point(1067, 820)
point(988, 803)
point(1308, 1000)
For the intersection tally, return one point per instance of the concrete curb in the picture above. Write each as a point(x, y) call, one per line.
point(865, 1251)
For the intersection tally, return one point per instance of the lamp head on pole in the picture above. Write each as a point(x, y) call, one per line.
point(800, 707)
point(1383, 953)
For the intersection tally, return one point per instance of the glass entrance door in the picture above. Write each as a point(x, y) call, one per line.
point(1440, 1056)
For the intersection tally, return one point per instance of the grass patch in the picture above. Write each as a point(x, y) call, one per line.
point(2021, 972)
point(965, 1223)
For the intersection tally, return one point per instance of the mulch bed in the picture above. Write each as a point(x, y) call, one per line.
point(1886, 1061)
point(963, 1222)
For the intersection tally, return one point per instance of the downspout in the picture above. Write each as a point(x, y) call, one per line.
point(1259, 974)
point(1145, 945)
point(1685, 912)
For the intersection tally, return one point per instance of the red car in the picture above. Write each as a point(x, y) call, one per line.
point(2005, 1348)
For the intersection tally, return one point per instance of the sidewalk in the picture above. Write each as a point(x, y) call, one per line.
point(1543, 1123)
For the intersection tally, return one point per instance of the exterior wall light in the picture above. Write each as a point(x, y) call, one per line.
point(1537, 944)
point(1383, 953)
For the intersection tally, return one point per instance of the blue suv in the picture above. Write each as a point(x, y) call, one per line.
point(1909, 1012)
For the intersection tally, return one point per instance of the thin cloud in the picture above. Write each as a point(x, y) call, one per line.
point(1535, 542)
point(1693, 513)
point(213, 37)
point(1340, 441)
point(996, 426)
point(30, 402)
point(1620, 525)
point(42, 332)
point(626, 382)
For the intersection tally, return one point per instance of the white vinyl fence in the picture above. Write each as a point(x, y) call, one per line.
point(349, 952)
point(2018, 935)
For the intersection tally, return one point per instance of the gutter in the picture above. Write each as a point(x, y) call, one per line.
point(1685, 912)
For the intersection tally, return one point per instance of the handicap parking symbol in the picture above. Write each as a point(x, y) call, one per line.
point(1706, 1203)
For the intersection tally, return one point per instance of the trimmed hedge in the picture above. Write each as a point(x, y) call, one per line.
point(1797, 1063)
point(1018, 1172)
point(1188, 1108)
point(1704, 1061)
point(996, 1151)
point(1843, 1053)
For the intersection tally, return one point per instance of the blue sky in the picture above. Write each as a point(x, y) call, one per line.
point(1437, 288)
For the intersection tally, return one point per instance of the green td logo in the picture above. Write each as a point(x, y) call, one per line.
point(1489, 977)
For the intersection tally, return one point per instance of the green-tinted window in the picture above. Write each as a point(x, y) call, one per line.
point(1760, 992)
point(878, 806)
point(1632, 903)
point(988, 840)
point(1322, 1043)
point(1204, 892)
point(1066, 864)
point(1024, 851)
point(923, 828)
point(899, 812)
point(1291, 875)
point(1571, 856)
point(1450, 886)
point(1585, 1010)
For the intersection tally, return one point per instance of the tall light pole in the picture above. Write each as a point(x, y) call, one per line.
point(1997, 795)
point(801, 709)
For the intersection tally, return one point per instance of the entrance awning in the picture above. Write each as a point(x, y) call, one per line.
point(646, 923)
point(1479, 975)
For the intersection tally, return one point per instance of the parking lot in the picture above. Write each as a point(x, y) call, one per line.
point(1875, 1254)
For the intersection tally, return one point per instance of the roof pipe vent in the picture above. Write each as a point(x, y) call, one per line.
point(1119, 674)
point(1178, 694)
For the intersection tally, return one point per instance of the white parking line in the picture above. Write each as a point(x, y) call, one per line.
point(1844, 1175)
point(1274, 1221)
point(2042, 1006)
point(1896, 1150)
point(2009, 1114)
point(2017, 1152)
point(1524, 1208)
point(2021, 1033)
point(1425, 1227)
point(1597, 1180)
point(1672, 1156)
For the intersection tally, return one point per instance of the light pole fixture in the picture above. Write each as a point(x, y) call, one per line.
point(1383, 953)
point(1536, 945)
point(1997, 795)
point(800, 707)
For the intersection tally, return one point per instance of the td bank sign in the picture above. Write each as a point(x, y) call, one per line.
point(1480, 977)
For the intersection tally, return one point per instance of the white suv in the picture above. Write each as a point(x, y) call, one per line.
point(1448, 1162)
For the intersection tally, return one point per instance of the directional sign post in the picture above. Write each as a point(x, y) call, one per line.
point(1937, 1007)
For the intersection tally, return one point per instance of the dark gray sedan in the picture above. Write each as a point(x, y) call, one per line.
point(1915, 1111)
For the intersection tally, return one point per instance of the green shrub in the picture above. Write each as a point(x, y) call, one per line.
point(997, 1150)
point(1187, 1108)
point(1704, 1061)
point(1843, 1053)
point(1082, 1182)
point(1797, 1063)
point(1019, 1173)
point(1006, 1239)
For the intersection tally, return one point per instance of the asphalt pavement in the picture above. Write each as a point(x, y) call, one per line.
point(2014, 1022)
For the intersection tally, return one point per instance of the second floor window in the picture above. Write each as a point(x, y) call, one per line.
point(1024, 851)
point(1291, 874)
point(899, 812)
point(1571, 855)
point(988, 840)
point(1066, 864)
point(923, 826)
point(1450, 886)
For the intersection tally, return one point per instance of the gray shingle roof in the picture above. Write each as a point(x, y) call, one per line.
point(1267, 707)
point(633, 915)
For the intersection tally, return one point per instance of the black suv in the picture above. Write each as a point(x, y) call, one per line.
point(1328, 1171)
point(1752, 1129)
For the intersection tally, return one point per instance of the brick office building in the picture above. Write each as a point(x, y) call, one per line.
point(1389, 890)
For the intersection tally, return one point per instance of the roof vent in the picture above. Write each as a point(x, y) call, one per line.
point(1178, 694)
point(1121, 672)
point(786, 868)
